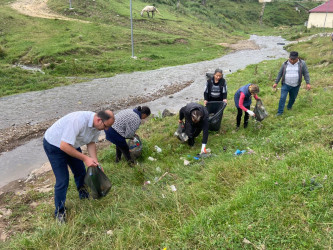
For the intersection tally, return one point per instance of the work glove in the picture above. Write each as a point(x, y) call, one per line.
point(203, 149)
point(251, 113)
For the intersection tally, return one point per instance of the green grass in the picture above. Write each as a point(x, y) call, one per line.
point(280, 197)
point(101, 46)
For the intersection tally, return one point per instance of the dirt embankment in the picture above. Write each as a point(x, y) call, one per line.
point(38, 8)
point(241, 45)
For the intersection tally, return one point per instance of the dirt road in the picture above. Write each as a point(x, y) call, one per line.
point(38, 8)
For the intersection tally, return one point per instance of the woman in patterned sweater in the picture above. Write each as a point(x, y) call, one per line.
point(126, 123)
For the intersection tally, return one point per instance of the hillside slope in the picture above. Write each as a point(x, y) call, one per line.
point(100, 44)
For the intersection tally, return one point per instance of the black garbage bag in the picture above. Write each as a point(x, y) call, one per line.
point(209, 75)
point(215, 111)
point(180, 133)
point(135, 147)
point(98, 183)
point(260, 111)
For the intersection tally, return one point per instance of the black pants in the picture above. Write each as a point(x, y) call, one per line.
point(239, 117)
point(123, 150)
point(192, 130)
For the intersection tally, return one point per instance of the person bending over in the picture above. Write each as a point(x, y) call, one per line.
point(196, 120)
point(62, 142)
point(126, 123)
point(243, 99)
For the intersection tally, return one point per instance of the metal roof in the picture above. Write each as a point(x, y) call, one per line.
point(323, 8)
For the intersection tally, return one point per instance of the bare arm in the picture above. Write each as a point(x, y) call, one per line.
point(70, 150)
point(92, 151)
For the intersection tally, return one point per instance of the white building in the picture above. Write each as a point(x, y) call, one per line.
point(321, 16)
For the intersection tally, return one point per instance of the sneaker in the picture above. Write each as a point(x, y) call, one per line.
point(245, 125)
point(61, 218)
point(237, 128)
point(191, 142)
point(83, 193)
point(278, 114)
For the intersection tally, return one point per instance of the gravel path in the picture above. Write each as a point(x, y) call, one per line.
point(185, 83)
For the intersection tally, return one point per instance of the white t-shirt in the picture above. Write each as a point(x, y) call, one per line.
point(75, 128)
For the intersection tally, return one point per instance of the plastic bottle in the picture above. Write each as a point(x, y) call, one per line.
point(158, 149)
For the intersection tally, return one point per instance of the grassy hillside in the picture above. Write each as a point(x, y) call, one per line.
point(102, 46)
point(277, 197)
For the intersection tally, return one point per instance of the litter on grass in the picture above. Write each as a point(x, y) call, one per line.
point(239, 152)
point(204, 155)
point(158, 149)
point(151, 158)
point(250, 151)
point(173, 188)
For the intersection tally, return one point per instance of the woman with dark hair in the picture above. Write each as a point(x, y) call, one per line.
point(216, 88)
point(196, 120)
point(126, 123)
point(243, 99)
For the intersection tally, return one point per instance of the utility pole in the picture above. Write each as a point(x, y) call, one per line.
point(262, 12)
point(70, 4)
point(132, 31)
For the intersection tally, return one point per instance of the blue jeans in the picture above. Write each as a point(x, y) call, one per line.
point(59, 161)
point(293, 92)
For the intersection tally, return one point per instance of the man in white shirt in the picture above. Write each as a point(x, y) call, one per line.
point(291, 73)
point(62, 142)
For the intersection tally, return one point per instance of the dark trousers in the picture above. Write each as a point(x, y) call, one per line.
point(121, 144)
point(60, 161)
point(239, 116)
point(192, 131)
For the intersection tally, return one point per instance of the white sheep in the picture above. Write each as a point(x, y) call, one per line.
point(148, 9)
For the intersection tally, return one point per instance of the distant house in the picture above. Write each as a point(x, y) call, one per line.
point(321, 16)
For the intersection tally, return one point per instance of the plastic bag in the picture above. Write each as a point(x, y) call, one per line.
point(260, 111)
point(215, 110)
point(180, 133)
point(209, 75)
point(135, 147)
point(98, 183)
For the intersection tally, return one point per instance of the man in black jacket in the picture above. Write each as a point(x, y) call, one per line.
point(196, 120)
